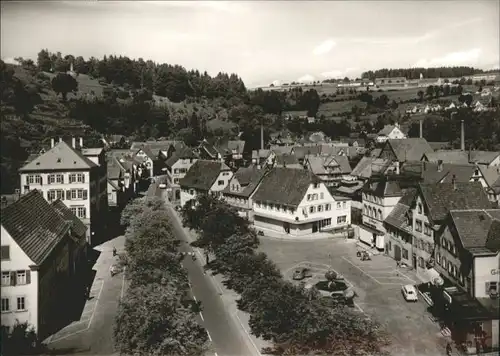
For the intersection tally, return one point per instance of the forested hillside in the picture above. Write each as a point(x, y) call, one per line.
point(414, 73)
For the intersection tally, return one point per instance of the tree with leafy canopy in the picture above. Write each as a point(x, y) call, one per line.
point(420, 95)
point(63, 84)
point(152, 320)
point(138, 206)
point(21, 339)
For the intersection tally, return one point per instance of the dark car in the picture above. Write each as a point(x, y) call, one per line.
point(301, 273)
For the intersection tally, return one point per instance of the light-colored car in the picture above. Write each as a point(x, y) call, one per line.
point(409, 293)
point(162, 186)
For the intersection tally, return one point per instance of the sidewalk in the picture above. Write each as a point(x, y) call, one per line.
point(229, 297)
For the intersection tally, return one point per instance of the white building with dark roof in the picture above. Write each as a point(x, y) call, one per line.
point(65, 173)
point(295, 202)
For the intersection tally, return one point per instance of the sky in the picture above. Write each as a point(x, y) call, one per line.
point(261, 41)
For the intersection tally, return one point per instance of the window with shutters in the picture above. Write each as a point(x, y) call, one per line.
point(38, 179)
point(328, 207)
point(51, 195)
point(74, 194)
point(339, 205)
point(73, 209)
point(60, 194)
point(30, 179)
point(5, 305)
point(52, 178)
point(21, 303)
point(21, 277)
point(344, 205)
point(5, 252)
point(5, 278)
point(72, 178)
point(80, 177)
point(60, 178)
point(68, 195)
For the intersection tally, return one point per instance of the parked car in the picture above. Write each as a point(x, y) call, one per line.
point(163, 186)
point(301, 273)
point(409, 293)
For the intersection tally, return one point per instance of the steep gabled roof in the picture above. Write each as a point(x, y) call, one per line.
point(77, 226)
point(386, 131)
point(249, 178)
point(410, 149)
point(285, 186)
point(62, 156)
point(320, 164)
point(478, 228)
point(203, 174)
point(443, 197)
point(153, 148)
point(491, 176)
point(483, 157)
point(34, 225)
point(369, 165)
point(448, 156)
point(384, 188)
point(397, 217)
point(182, 153)
point(431, 172)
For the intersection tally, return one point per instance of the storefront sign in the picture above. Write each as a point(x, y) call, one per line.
point(495, 271)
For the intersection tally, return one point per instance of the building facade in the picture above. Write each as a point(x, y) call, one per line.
point(176, 168)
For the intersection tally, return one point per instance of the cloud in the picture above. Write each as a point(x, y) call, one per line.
point(306, 79)
point(324, 47)
point(337, 73)
point(451, 59)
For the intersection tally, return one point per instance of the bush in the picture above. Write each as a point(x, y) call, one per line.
point(22, 340)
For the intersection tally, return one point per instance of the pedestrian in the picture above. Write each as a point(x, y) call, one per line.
point(114, 251)
point(111, 271)
point(87, 292)
point(448, 349)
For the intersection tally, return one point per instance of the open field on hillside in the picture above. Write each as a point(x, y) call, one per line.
point(86, 84)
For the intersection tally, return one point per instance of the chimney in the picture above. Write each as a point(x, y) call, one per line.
point(52, 142)
point(462, 136)
point(421, 128)
point(261, 136)
point(440, 165)
point(454, 182)
point(60, 139)
point(81, 142)
point(73, 142)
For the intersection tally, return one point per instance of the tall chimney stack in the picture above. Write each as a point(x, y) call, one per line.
point(81, 142)
point(261, 136)
point(421, 128)
point(73, 142)
point(462, 136)
point(52, 143)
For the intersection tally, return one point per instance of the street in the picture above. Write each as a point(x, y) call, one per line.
point(226, 335)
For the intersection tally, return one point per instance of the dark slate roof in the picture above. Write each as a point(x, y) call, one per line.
point(286, 159)
point(448, 156)
point(478, 228)
point(430, 172)
point(301, 151)
point(319, 164)
point(153, 148)
point(410, 149)
point(483, 157)
point(397, 217)
point(77, 226)
point(62, 156)
point(285, 186)
point(443, 197)
point(369, 165)
point(249, 178)
point(203, 174)
point(384, 188)
point(34, 225)
point(209, 149)
point(182, 153)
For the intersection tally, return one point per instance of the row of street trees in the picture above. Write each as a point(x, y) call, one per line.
point(155, 316)
point(296, 320)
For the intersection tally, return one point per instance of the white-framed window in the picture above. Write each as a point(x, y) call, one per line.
point(328, 207)
point(60, 194)
point(316, 185)
point(72, 177)
point(325, 222)
point(21, 303)
point(308, 197)
point(81, 212)
point(339, 205)
point(312, 209)
point(80, 178)
point(73, 209)
point(52, 178)
point(51, 195)
point(220, 182)
point(344, 205)
point(5, 305)
point(60, 178)
point(418, 225)
point(341, 219)
point(320, 208)
point(21, 277)
point(5, 278)
point(30, 179)
point(38, 179)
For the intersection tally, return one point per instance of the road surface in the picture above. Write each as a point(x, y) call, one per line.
point(228, 338)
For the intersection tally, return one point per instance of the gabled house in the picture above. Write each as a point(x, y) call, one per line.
point(431, 173)
point(154, 153)
point(37, 263)
point(63, 172)
point(204, 177)
point(295, 202)
point(209, 152)
point(399, 230)
point(379, 197)
point(428, 212)
point(468, 257)
point(232, 151)
point(176, 168)
point(409, 149)
point(491, 178)
point(368, 166)
point(390, 132)
point(241, 187)
point(120, 185)
point(330, 169)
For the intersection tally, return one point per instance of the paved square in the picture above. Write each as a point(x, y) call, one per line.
point(377, 284)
